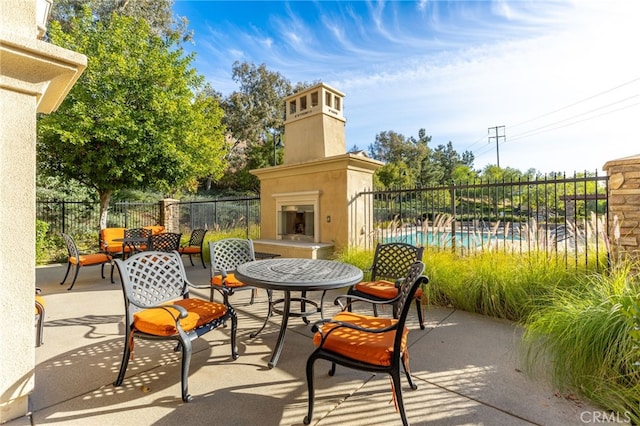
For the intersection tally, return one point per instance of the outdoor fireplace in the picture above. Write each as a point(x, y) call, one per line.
point(297, 215)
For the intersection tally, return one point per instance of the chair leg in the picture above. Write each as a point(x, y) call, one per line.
point(67, 273)
point(125, 359)
point(310, 390)
point(408, 374)
point(186, 361)
point(202, 259)
point(395, 377)
point(420, 318)
point(234, 329)
point(191, 260)
point(75, 276)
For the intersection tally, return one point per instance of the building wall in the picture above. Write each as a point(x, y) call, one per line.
point(34, 77)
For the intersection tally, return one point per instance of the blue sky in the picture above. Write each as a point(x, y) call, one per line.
point(563, 77)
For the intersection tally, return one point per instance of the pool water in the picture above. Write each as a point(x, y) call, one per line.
point(444, 239)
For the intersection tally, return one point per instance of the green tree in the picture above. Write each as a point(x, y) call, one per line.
point(403, 156)
point(253, 116)
point(138, 118)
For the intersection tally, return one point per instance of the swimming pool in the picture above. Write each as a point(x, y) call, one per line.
point(445, 239)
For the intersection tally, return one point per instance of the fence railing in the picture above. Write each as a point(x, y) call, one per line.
point(566, 216)
point(563, 216)
point(83, 217)
point(222, 215)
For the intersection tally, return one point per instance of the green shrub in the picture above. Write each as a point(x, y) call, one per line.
point(586, 334)
point(41, 241)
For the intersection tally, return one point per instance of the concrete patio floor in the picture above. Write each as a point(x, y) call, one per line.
point(466, 367)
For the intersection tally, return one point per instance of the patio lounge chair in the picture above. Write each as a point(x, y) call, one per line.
point(158, 307)
point(368, 343)
point(39, 318)
point(391, 262)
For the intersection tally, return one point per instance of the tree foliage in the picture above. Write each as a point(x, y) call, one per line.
point(139, 117)
point(254, 114)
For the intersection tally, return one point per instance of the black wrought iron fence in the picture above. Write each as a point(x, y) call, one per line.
point(566, 216)
point(83, 217)
point(240, 215)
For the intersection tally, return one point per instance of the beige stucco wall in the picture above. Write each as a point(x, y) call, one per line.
point(34, 77)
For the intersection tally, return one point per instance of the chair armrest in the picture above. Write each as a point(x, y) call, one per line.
point(339, 300)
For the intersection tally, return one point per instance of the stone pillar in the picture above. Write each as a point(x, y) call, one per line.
point(624, 207)
point(35, 76)
point(170, 215)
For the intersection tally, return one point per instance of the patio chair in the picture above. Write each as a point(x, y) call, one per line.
point(167, 242)
point(194, 246)
point(368, 343)
point(39, 318)
point(77, 260)
point(391, 262)
point(130, 233)
point(158, 307)
point(225, 256)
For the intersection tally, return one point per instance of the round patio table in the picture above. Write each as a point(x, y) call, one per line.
point(287, 275)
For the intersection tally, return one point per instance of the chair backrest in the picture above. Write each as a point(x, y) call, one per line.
point(167, 242)
point(137, 233)
point(406, 292)
point(150, 278)
point(197, 237)
point(72, 248)
point(228, 253)
point(391, 261)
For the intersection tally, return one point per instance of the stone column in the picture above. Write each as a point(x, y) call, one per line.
point(35, 76)
point(170, 215)
point(624, 207)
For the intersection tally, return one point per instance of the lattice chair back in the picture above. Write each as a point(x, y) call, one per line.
point(72, 248)
point(150, 279)
point(228, 253)
point(137, 233)
point(393, 260)
point(197, 237)
point(167, 242)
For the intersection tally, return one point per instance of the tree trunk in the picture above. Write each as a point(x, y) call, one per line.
point(104, 206)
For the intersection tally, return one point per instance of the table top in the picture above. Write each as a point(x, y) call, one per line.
point(298, 274)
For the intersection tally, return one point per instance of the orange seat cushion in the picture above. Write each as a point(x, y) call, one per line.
point(155, 229)
point(90, 259)
point(161, 322)
point(382, 289)
point(207, 311)
point(371, 348)
point(230, 281)
point(107, 235)
point(190, 250)
point(40, 300)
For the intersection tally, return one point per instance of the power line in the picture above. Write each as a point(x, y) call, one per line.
point(577, 102)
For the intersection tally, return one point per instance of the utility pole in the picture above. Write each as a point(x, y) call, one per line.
point(497, 138)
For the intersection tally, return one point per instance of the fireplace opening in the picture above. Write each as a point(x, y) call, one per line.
point(296, 222)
